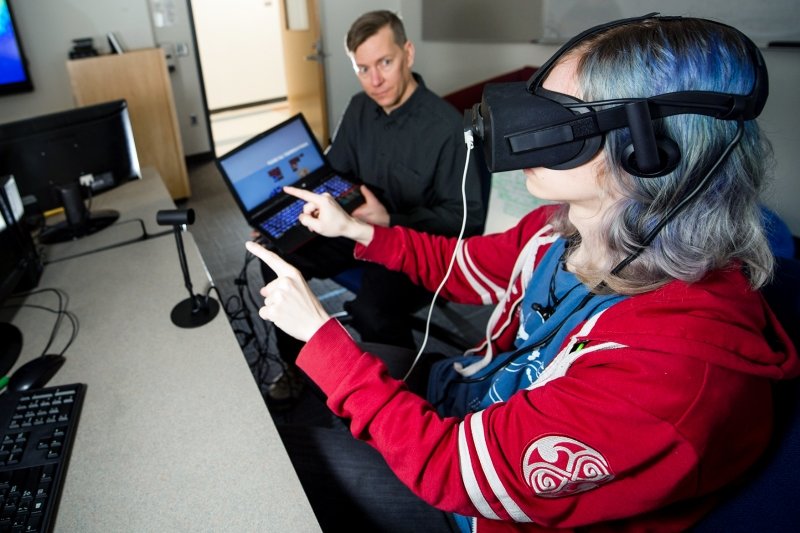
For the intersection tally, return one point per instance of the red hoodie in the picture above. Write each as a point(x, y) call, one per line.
point(667, 400)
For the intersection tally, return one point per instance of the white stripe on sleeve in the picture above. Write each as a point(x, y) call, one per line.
point(479, 439)
point(468, 476)
point(468, 267)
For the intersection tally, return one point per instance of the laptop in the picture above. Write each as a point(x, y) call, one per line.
point(287, 154)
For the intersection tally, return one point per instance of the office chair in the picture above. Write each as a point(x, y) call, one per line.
point(766, 500)
point(781, 240)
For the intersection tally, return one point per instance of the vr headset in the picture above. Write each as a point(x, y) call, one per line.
point(522, 125)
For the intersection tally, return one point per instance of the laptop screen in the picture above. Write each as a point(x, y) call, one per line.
point(258, 169)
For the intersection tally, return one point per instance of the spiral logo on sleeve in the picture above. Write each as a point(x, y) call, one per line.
point(557, 466)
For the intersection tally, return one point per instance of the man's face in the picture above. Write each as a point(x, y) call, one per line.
point(384, 69)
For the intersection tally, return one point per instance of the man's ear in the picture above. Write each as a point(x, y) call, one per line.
point(409, 50)
point(352, 58)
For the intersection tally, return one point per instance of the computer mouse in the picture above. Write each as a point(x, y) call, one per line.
point(35, 373)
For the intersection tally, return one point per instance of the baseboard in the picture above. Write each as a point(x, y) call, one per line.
point(198, 159)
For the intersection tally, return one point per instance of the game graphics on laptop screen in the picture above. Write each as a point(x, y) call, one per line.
point(283, 161)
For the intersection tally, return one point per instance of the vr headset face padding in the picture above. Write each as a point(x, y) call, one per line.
point(525, 148)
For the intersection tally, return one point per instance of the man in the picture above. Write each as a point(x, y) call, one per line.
point(407, 145)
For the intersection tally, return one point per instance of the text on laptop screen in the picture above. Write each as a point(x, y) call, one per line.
point(280, 158)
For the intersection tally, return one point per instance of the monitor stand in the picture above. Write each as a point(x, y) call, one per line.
point(64, 231)
point(10, 346)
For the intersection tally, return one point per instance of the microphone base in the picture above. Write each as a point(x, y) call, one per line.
point(63, 231)
point(183, 317)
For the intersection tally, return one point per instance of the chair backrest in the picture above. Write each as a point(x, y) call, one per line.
point(767, 500)
point(783, 295)
point(781, 240)
point(466, 97)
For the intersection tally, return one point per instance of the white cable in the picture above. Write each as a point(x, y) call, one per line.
point(469, 142)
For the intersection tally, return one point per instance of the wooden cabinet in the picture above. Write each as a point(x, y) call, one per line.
point(142, 79)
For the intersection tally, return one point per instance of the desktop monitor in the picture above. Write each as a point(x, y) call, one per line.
point(61, 158)
point(20, 267)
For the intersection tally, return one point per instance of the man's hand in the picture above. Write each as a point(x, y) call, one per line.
point(288, 301)
point(372, 212)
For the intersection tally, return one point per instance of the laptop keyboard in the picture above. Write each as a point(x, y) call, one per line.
point(279, 223)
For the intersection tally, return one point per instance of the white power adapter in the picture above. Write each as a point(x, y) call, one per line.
point(86, 180)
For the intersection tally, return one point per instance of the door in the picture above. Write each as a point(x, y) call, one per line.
point(304, 64)
point(240, 49)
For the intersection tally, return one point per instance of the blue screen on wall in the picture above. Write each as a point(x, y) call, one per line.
point(14, 76)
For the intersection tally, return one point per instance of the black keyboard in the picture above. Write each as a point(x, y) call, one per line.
point(38, 428)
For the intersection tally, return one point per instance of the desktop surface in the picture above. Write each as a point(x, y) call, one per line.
point(174, 434)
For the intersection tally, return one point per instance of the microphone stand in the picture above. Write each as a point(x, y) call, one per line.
point(196, 310)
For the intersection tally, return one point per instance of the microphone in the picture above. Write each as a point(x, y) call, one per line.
point(544, 311)
point(196, 310)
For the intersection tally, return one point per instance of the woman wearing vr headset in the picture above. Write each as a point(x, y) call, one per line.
point(629, 347)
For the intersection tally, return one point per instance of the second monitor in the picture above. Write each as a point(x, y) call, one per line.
point(61, 158)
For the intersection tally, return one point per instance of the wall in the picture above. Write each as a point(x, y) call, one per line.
point(498, 21)
point(450, 66)
point(779, 121)
point(47, 28)
point(173, 32)
point(776, 20)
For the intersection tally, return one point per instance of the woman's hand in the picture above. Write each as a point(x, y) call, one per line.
point(322, 214)
point(289, 303)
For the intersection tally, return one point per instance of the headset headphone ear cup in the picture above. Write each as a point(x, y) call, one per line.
point(669, 155)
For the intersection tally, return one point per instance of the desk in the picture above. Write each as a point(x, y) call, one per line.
point(174, 435)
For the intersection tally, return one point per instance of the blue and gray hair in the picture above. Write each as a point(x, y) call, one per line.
point(722, 225)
